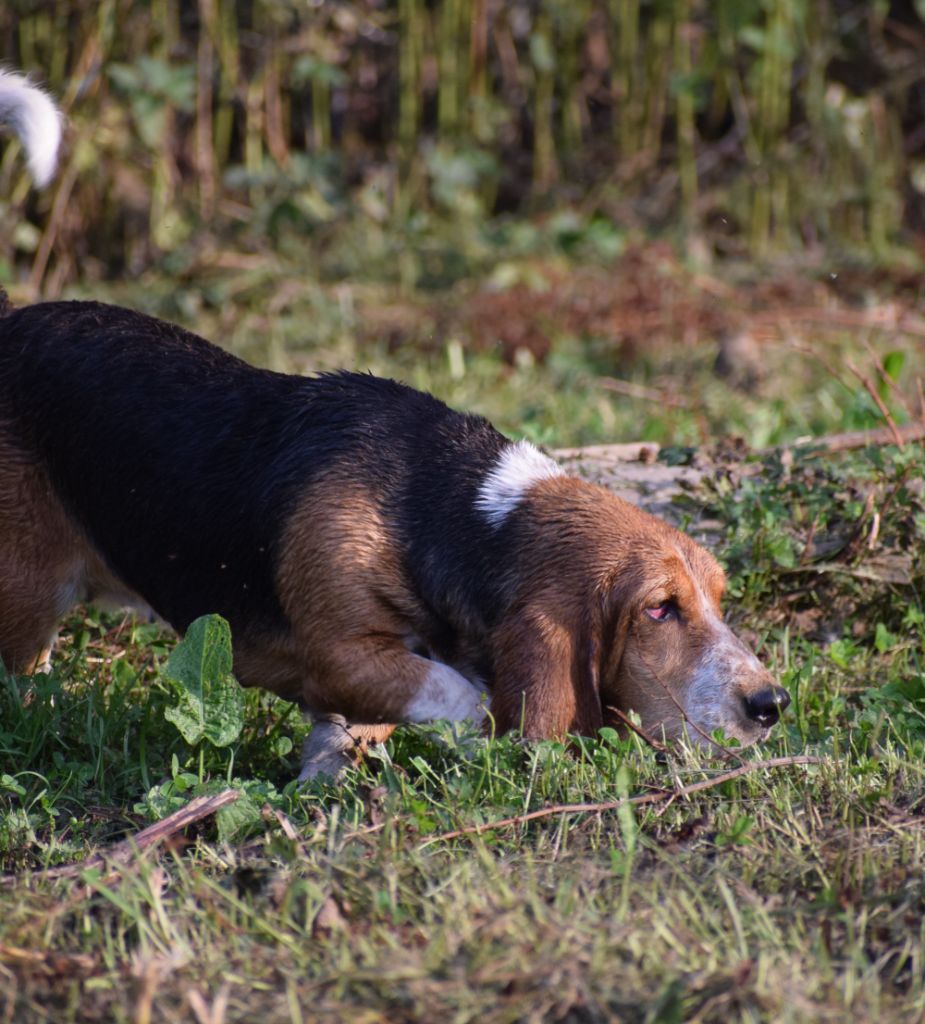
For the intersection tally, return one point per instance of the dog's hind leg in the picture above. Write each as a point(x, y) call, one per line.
point(40, 563)
point(29, 613)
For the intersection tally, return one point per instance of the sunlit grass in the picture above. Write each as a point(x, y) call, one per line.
point(793, 894)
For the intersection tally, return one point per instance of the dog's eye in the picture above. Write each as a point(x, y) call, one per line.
point(663, 612)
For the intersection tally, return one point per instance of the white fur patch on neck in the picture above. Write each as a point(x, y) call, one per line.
point(519, 467)
point(35, 119)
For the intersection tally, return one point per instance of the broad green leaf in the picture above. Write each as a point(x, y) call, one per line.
point(210, 705)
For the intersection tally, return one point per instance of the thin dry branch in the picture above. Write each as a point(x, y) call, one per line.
point(893, 434)
point(853, 439)
point(640, 391)
point(122, 852)
point(878, 401)
point(630, 724)
point(612, 805)
point(883, 318)
point(887, 379)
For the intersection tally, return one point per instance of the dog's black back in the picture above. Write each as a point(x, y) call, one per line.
point(182, 463)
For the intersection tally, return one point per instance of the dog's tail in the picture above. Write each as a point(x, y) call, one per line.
point(35, 119)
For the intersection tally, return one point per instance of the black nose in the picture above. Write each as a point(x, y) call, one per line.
point(765, 706)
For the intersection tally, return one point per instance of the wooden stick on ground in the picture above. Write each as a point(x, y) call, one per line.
point(612, 805)
point(197, 809)
point(832, 443)
point(827, 444)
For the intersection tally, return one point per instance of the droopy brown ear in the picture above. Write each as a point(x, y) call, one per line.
point(619, 608)
point(547, 674)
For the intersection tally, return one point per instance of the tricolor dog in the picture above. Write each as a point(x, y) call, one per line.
point(380, 558)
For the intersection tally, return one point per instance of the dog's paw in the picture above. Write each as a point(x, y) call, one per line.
point(329, 750)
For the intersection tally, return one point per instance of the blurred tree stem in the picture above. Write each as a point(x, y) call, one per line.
point(687, 131)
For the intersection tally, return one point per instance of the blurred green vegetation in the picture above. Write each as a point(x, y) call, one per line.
point(760, 125)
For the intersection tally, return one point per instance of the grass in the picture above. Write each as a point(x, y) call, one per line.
point(788, 895)
point(793, 894)
point(542, 332)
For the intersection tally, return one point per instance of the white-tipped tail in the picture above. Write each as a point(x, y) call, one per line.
point(35, 119)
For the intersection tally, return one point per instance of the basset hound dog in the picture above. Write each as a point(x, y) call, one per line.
point(380, 557)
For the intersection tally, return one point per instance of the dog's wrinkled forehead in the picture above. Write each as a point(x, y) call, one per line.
point(704, 571)
point(672, 567)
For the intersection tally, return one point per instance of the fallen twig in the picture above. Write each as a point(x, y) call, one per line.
point(197, 809)
point(630, 724)
point(648, 451)
point(908, 434)
point(878, 401)
point(612, 805)
point(626, 387)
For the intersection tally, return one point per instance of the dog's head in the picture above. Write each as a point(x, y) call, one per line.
point(626, 615)
point(673, 659)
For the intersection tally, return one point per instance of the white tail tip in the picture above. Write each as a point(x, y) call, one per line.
point(35, 119)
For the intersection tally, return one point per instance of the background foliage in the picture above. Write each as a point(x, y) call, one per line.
point(757, 125)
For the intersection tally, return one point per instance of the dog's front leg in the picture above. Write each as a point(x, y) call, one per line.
point(333, 745)
point(381, 680)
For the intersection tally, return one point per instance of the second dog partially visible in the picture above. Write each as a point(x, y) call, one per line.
point(380, 557)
